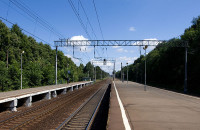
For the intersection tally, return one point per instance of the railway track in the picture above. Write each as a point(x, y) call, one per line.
point(84, 116)
point(33, 116)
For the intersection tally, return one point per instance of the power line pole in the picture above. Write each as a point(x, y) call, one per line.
point(114, 72)
point(101, 74)
point(67, 74)
point(121, 71)
point(95, 73)
point(185, 84)
point(123, 77)
point(7, 59)
point(56, 64)
point(21, 67)
point(127, 72)
point(145, 75)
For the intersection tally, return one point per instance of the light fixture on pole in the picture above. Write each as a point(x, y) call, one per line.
point(21, 67)
point(145, 75)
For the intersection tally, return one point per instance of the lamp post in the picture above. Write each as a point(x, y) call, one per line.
point(101, 74)
point(95, 73)
point(21, 67)
point(123, 76)
point(67, 74)
point(56, 65)
point(121, 71)
point(127, 72)
point(114, 72)
point(145, 75)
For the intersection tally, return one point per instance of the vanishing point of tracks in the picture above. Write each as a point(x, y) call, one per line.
point(50, 114)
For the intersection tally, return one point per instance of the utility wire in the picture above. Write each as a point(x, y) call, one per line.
point(45, 23)
point(24, 15)
point(25, 31)
point(8, 10)
point(98, 19)
point(79, 18)
point(33, 15)
point(87, 19)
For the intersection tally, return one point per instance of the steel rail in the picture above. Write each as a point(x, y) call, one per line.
point(95, 112)
point(82, 107)
point(35, 109)
point(48, 111)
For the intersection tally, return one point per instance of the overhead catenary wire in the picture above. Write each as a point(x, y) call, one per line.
point(87, 19)
point(79, 18)
point(26, 31)
point(15, 10)
point(98, 19)
point(35, 16)
point(24, 15)
point(20, 5)
point(8, 10)
point(40, 20)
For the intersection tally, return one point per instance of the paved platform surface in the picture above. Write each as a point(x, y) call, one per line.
point(115, 121)
point(15, 93)
point(156, 109)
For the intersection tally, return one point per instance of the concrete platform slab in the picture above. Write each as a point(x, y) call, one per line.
point(21, 93)
point(115, 121)
point(157, 109)
point(9, 99)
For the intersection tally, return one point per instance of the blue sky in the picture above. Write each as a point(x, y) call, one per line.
point(119, 19)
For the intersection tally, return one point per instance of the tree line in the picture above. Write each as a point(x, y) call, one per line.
point(165, 64)
point(38, 62)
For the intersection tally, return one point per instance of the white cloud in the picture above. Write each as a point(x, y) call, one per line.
point(129, 60)
point(132, 29)
point(122, 50)
point(81, 48)
point(115, 46)
point(80, 37)
point(124, 60)
point(101, 64)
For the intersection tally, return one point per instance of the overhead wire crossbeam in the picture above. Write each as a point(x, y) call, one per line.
point(170, 43)
point(64, 43)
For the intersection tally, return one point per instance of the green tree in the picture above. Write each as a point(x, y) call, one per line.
point(3, 76)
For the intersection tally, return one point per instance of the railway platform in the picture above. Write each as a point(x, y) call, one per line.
point(154, 109)
point(10, 99)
